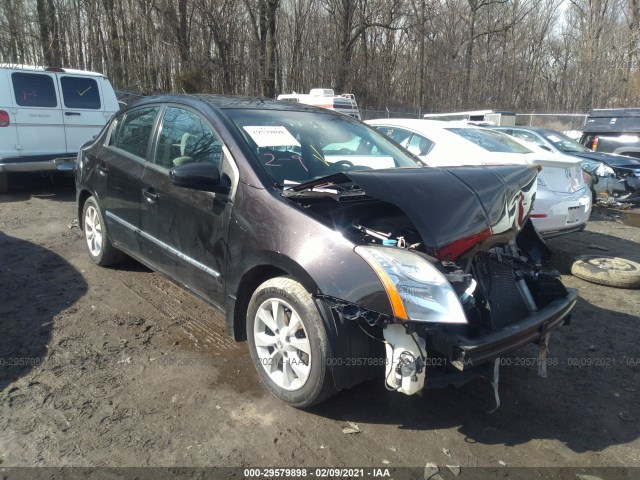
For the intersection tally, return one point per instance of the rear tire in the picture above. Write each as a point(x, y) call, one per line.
point(96, 237)
point(288, 343)
point(609, 271)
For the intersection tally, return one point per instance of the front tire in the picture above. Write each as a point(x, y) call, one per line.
point(99, 247)
point(288, 343)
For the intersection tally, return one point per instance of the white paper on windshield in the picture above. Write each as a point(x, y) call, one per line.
point(272, 136)
point(376, 163)
point(553, 138)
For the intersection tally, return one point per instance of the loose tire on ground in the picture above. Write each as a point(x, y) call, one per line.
point(610, 271)
point(96, 237)
point(288, 343)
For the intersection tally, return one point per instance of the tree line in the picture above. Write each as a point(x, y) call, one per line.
point(411, 55)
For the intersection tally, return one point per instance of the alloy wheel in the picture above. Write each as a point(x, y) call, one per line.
point(93, 230)
point(282, 344)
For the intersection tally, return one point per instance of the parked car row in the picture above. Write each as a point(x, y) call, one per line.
point(336, 253)
point(609, 174)
point(563, 200)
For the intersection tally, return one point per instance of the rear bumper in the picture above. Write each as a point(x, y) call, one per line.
point(468, 353)
point(561, 215)
point(39, 163)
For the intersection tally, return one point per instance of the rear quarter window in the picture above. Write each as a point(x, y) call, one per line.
point(80, 92)
point(34, 90)
point(132, 131)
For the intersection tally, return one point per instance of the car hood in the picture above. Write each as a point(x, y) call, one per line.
point(609, 159)
point(453, 209)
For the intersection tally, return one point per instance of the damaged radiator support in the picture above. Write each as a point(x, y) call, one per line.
point(506, 292)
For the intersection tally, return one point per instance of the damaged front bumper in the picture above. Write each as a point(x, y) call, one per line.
point(615, 183)
point(464, 353)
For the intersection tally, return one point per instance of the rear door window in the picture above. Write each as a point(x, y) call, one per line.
point(34, 90)
point(419, 145)
point(80, 92)
point(400, 135)
point(132, 131)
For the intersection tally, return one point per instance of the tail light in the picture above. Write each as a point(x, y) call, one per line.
point(594, 145)
point(5, 121)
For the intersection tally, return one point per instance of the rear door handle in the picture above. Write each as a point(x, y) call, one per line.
point(69, 114)
point(150, 196)
point(102, 170)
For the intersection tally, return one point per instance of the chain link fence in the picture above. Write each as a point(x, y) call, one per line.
point(554, 121)
point(370, 114)
point(561, 122)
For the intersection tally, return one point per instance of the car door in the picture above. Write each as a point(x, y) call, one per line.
point(38, 114)
point(119, 173)
point(82, 109)
point(184, 231)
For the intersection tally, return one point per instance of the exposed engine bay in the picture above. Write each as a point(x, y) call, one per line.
point(493, 300)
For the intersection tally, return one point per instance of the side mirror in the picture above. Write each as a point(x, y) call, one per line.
point(546, 147)
point(198, 176)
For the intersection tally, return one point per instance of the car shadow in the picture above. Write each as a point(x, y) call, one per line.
point(23, 186)
point(38, 285)
point(584, 402)
point(129, 264)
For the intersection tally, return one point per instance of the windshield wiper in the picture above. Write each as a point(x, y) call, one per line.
point(335, 185)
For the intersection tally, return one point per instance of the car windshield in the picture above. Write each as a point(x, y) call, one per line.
point(490, 140)
point(564, 143)
point(298, 147)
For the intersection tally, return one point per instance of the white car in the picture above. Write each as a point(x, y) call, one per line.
point(46, 114)
point(563, 201)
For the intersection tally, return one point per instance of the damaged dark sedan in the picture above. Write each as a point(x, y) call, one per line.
point(335, 253)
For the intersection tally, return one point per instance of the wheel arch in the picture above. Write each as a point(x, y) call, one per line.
point(83, 195)
point(251, 279)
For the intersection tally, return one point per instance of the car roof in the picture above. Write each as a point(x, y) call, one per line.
point(526, 129)
point(222, 102)
point(614, 112)
point(419, 124)
point(33, 68)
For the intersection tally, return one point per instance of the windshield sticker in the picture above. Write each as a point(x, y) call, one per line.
point(271, 136)
point(553, 138)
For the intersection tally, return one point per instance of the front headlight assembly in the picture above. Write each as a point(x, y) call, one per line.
point(416, 289)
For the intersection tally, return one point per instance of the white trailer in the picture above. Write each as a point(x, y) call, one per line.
point(326, 98)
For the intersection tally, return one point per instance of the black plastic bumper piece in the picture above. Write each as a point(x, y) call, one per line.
point(468, 352)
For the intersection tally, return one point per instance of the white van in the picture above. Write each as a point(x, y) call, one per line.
point(326, 98)
point(46, 114)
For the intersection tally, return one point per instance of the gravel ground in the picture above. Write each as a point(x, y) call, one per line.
point(120, 367)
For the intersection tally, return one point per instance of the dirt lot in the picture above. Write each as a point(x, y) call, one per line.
point(120, 367)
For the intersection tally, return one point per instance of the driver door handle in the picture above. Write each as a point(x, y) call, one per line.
point(150, 195)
